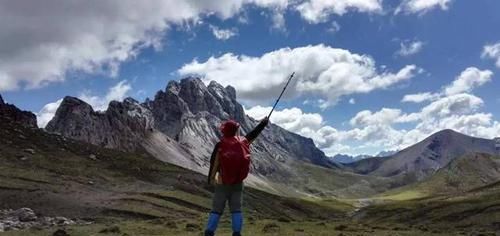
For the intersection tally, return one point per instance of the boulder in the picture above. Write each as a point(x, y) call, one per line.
point(25, 215)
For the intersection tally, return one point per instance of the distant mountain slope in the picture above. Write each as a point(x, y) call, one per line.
point(465, 173)
point(346, 159)
point(468, 172)
point(426, 157)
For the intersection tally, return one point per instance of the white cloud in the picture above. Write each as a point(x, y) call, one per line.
point(295, 120)
point(115, 93)
point(383, 117)
point(43, 41)
point(47, 113)
point(419, 97)
point(317, 11)
point(278, 19)
point(320, 70)
point(492, 51)
point(372, 131)
point(410, 48)
point(352, 101)
point(334, 27)
point(457, 104)
point(469, 79)
point(422, 6)
point(292, 119)
point(223, 34)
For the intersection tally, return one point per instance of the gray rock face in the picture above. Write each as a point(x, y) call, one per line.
point(11, 113)
point(123, 125)
point(181, 125)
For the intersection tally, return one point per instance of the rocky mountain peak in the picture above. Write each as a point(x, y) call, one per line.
point(445, 133)
point(73, 104)
point(11, 113)
point(173, 86)
point(231, 92)
point(181, 125)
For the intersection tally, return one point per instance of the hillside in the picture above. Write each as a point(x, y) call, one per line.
point(463, 174)
point(426, 157)
point(121, 193)
point(475, 211)
point(56, 176)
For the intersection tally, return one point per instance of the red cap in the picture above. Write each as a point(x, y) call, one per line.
point(229, 128)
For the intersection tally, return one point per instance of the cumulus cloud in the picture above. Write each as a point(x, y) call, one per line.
point(47, 113)
point(292, 119)
point(381, 130)
point(371, 128)
point(334, 27)
point(310, 125)
point(410, 48)
point(382, 117)
point(99, 103)
point(492, 51)
point(43, 41)
point(317, 11)
point(468, 79)
point(223, 34)
point(320, 70)
point(115, 93)
point(422, 6)
point(419, 97)
point(457, 104)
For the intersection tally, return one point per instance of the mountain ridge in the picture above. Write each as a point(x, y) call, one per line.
point(181, 126)
point(426, 157)
point(11, 112)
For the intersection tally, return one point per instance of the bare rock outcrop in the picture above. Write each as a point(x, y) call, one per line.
point(11, 113)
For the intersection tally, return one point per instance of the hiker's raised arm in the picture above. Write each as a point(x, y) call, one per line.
point(252, 135)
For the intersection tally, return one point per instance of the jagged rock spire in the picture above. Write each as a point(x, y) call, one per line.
point(11, 113)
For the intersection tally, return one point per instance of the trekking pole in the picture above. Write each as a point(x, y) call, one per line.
point(281, 94)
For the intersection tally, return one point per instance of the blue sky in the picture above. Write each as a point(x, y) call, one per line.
point(356, 61)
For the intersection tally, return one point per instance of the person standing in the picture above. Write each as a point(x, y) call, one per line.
point(229, 167)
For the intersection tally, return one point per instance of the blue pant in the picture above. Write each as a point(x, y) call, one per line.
point(233, 195)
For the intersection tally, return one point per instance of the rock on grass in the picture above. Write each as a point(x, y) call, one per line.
point(270, 228)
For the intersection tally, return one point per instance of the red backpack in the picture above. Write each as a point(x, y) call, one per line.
point(234, 159)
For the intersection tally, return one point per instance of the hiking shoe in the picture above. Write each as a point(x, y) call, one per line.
point(209, 233)
point(236, 234)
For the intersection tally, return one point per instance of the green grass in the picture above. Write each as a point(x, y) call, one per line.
point(252, 227)
point(402, 196)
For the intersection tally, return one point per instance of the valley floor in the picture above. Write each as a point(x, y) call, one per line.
point(191, 227)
